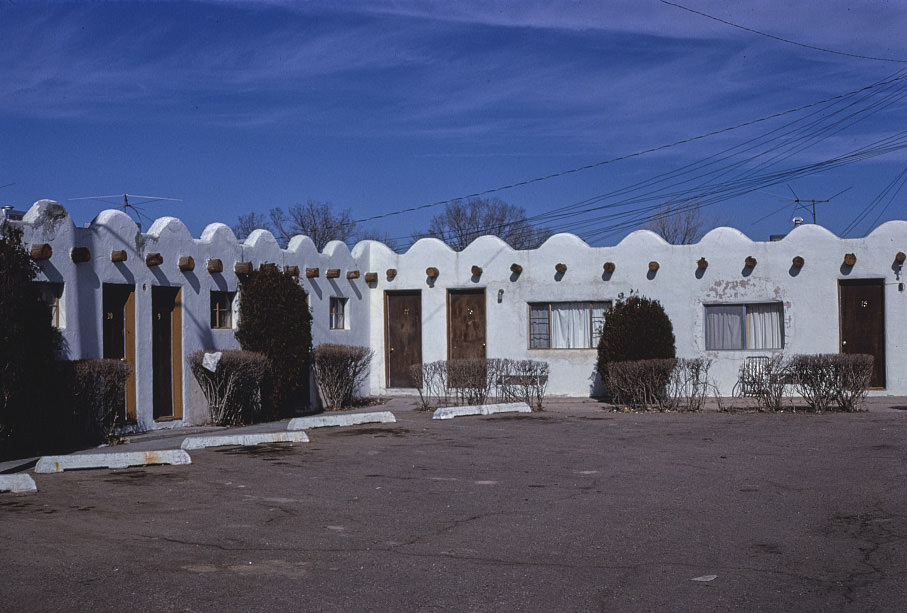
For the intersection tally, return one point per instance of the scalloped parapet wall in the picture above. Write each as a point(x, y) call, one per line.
point(803, 272)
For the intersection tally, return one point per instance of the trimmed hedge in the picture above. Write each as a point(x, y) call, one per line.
point(234, 388)
point(832, 379)
point(98, 390)
point(339, 370)
point(640, 383)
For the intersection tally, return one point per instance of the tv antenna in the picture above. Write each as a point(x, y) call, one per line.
point(133, 208)
point(807, 204)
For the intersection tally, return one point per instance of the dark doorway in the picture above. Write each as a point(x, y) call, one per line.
point(466, 324)
point(403, 336)
point(167, 352)
point(118, 332)
point(862, 304)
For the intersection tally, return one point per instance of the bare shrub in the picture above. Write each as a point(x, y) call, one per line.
point(339, 370)
point(815, 379)
point(640, 383)
point(689, 384)
point(523, 381)
point(99, 395)
point(431, 381)
point(234, 388)
point(768, 382)
point(469, 380)
point(832, 379)
point(472, 381)
point(853, 374)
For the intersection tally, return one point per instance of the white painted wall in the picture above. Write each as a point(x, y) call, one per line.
point(810, 295)
point(48, 222)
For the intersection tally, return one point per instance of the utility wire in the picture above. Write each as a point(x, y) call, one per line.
point(783, 40)
point(894, 78)
point(895, 186)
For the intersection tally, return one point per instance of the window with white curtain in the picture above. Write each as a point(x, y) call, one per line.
point(744, 326)
point(566, 325)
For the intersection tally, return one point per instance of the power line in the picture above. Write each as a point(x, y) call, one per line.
point(783, 40)
point(896, 77)
point(893, 188)
point(784, 143)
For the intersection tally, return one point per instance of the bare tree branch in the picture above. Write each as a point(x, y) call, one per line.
point(249, 223)
point(679, 225)
point(462, 222)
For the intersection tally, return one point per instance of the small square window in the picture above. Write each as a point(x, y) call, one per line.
point(222, 309)
point(338, 313)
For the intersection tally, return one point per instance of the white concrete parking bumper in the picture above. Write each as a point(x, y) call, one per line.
point(347, 419)
point(244, 440)
point(59, 463)
point(482, 409)
point(17, 484)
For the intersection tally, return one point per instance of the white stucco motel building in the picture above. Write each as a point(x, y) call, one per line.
point(154, 297)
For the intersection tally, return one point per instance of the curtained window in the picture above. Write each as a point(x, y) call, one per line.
point(744, 326)
point(339, 320)
point(566, 325)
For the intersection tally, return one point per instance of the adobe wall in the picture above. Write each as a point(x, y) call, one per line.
point(47, 222)
point(809, 294)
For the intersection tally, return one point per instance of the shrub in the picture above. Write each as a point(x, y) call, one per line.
point(689, 385)
point(98, 396)
point(234, 388)
point(430, 379)
point(635, 329)
point(523, 381)
point(274, 319)
point(339, 369)
point(815, 379)
point(28, 348)
point(831, 378)
point(766, 381)
point(472, 381)
point(469, 379)
point(640, 383)
point(853, 374)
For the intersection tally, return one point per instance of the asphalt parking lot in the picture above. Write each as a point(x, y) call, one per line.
point(573, 509)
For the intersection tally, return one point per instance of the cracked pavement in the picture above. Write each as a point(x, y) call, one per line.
point(572, 509)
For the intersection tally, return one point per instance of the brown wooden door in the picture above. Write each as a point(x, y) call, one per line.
point(863, 323)
point(118, 331)
point(466, 324)
point(167, 352)
point(403, 336)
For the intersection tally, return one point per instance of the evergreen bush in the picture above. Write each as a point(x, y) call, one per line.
point(28, 349)
point(636, 328)
point(274, 319)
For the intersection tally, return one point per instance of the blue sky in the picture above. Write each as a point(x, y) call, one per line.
point(235, 107)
